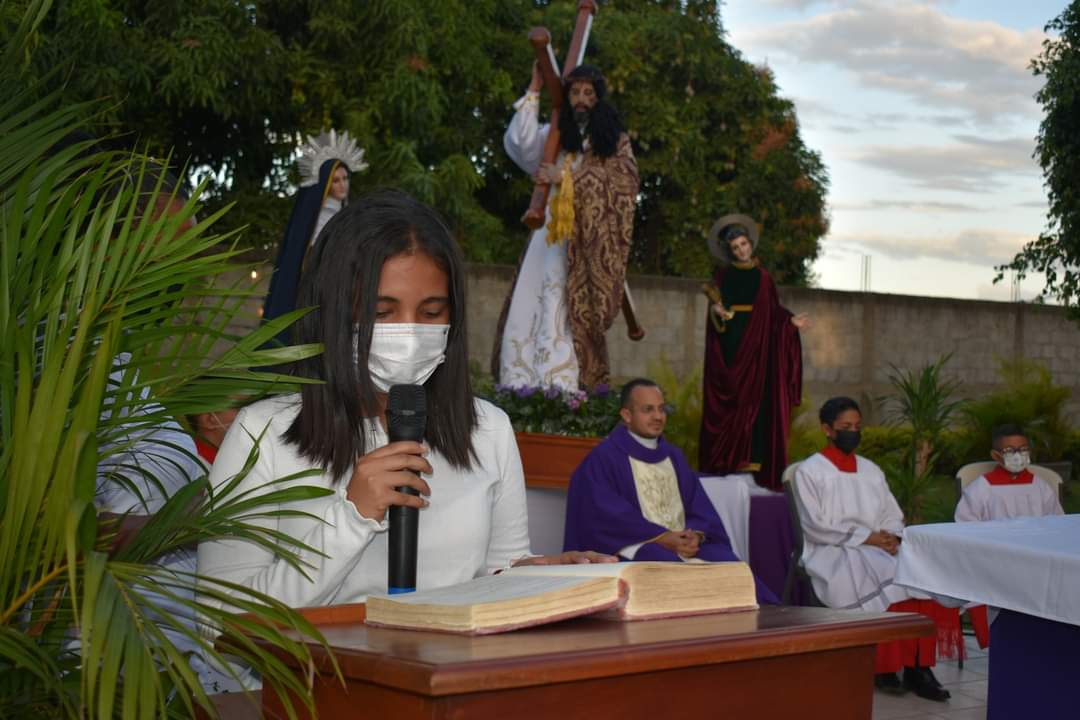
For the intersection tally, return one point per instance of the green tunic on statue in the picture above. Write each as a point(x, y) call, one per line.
point(740, 289)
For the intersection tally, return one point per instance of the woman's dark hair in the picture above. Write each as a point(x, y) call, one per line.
point(733, 232)
point(605, 123)
point(834, 407)
point(342, 282)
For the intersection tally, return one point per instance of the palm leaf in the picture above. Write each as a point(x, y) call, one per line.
point(114, 319)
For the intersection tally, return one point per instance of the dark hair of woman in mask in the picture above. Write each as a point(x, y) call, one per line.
point(342, 282)
point(605, 123)
point(834, 407)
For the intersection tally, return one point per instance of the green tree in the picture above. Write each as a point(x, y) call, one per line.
point(427, 88)
point(1056, 252)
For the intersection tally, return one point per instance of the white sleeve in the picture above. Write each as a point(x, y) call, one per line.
point(817, 527)
point(154, 464)
point(525, 137)
point(892, 517)
point(343, 535)
point(972, 506)
point(1050, 503)
point(510, 515)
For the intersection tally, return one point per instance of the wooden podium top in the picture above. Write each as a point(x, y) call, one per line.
point(439, 664)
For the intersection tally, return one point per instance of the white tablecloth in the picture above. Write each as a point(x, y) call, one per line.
point(730, 495)
point(1030, 565)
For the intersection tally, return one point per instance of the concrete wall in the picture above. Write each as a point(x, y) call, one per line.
point(849, 347)
point(848, 350)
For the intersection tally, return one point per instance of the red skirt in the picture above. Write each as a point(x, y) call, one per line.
point(948, 642)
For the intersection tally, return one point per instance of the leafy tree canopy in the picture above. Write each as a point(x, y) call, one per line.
point(1057, 250)
point(427, 89)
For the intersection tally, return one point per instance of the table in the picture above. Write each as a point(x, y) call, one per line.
point(1030, 567)
point(759, 525)
point(772, 540)
point(779, 662)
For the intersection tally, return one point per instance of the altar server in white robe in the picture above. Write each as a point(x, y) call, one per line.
point(1010, 490)
point(853, 528)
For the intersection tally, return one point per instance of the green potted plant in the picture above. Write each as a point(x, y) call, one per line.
point(924, 403)
point(555, 428)
point(107, 313)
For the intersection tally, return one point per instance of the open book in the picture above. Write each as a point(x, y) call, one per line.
point(537, 594)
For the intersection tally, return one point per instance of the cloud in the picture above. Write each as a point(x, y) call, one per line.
point(972, 164)
point(975, 67)
point(977, 246)
point(919, 206)
point(791, 4)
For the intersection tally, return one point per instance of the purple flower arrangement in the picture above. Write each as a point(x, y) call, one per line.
point(556, 411)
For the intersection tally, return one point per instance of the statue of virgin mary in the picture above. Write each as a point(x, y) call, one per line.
point(325, 164)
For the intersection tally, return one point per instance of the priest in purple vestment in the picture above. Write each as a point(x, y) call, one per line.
point(636, 496)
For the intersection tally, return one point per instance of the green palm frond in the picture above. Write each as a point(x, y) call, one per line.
point(115, 319)
point(923, 398)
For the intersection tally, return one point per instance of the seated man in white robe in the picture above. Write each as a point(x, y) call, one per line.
point(853, 529)
point(1010, 490)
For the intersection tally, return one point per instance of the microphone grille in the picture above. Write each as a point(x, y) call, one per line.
point(406, 410)
point(407, 399)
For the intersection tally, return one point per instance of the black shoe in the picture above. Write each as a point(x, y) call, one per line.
point(889, 683)
point(921, 680)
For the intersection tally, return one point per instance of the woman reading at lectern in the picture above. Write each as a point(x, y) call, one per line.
point(388, 285)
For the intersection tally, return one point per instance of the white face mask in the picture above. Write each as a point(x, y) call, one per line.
point(404, 353)
point(1017, 462)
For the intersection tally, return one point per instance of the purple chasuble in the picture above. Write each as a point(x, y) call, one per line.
point(603, 512)
point(602, 509)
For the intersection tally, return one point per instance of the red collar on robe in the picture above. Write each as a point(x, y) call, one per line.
point(842, 461)
point(1001, 476)
point(206, 451)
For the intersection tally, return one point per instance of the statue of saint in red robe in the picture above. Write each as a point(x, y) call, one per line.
point(753, 362)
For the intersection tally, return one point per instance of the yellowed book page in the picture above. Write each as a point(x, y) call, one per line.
point(495, 603)
point(658, 589)
point(488, 589)
point(615, 569)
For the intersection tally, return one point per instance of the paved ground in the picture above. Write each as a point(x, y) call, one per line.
point(968, 688)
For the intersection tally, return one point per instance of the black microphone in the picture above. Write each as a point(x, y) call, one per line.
point(406, 419)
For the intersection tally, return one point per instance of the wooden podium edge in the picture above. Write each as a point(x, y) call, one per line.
point(447, 679)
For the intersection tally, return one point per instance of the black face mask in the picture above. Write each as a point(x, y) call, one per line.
point(846, 440)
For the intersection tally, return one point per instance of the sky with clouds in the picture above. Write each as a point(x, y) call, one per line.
point(925, 116)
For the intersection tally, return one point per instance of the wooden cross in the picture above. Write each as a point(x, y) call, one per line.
point(540, 39)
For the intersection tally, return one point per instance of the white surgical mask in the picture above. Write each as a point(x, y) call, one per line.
point(404, 353)
point(1017, 462)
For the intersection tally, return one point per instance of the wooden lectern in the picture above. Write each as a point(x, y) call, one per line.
point(779, 662)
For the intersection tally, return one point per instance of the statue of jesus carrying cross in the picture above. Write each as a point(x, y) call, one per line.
point(570, 282)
